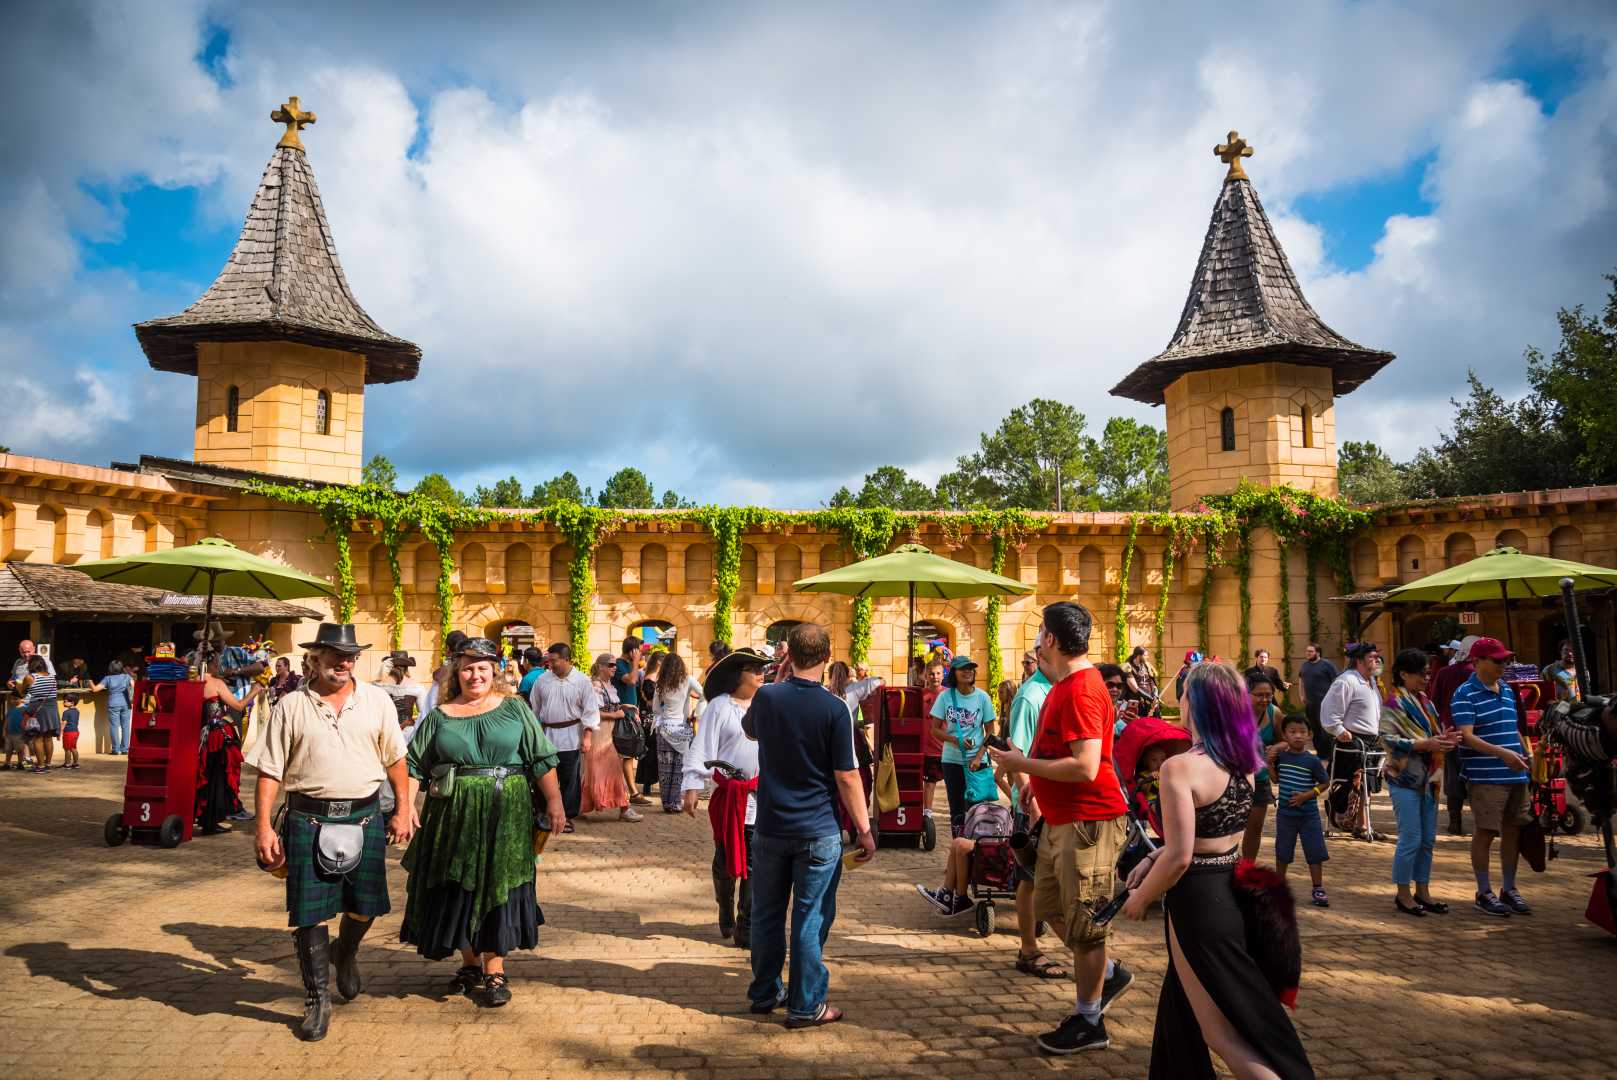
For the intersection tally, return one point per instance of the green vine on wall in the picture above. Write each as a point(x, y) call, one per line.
point(1120, 639)
point(1284, 613)
point(1323, 526)
point(1243, 580)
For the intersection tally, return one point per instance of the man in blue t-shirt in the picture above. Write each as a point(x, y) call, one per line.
point(532, 663)
point(961, 716)
point(805, 761)
point(1494, 763)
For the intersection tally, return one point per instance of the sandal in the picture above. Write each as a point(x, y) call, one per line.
point(569, 828)
point(1039, 966)
point(828, 1014)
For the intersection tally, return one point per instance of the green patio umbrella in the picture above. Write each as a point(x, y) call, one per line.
point(912, 570)
point(1503, 574)
point(211, 567)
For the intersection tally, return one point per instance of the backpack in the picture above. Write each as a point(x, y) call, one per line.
point(987, 821)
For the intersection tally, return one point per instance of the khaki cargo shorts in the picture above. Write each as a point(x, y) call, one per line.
point(1074, 875)
point(1494, 804)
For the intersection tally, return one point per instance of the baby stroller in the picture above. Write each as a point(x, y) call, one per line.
point(1132, 747)
point(993, 873)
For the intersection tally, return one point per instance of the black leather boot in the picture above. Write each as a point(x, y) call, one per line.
point(724, 890)
point(743, 934)
point(345, 956)
point(314, 964)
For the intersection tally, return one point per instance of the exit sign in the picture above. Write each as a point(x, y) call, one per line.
point(1470, 618)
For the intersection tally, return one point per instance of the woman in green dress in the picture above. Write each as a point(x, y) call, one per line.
point(471, 867)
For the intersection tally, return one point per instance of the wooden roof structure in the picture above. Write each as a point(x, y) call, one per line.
point(283, 282)
point(46, 588)
point(1245, 306)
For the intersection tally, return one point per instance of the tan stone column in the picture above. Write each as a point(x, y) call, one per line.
point(766, 569)
point(494, 582)
point(631, 569)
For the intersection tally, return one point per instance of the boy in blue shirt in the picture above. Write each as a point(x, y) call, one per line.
point(70, 734)
point(16, 742)
point(1300, 777)
point(962, 715)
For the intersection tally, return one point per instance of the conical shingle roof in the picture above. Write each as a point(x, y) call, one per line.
point(1246, 307)
point(283, 283)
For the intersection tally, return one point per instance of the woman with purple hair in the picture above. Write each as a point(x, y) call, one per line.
point(1214, 995)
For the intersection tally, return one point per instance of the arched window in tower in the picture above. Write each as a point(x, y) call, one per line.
point(322, 413)
point(1226, 429)
point(1306, 415)
point(233, 409)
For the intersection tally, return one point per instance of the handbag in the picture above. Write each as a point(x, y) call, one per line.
point(1270, 916)
point(887, 797)
point(441, 782)
point(338, 846)
point(629, 734)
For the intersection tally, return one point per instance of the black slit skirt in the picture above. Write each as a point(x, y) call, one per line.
point(1212, 936)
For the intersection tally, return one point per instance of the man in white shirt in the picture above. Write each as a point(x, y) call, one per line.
point(1351, 714)
point(728, 688)
point(568, 709)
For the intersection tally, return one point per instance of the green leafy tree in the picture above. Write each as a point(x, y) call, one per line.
point(1496, 445)
point(563, 488)
point(505, 493)
point(1576, 382)
point(671, 501)
point(1130, 465)
point(1039, 458)
point(888, 486)
point(437, 486)
point(628, 489)
point(380, 471)
point(1368, 476)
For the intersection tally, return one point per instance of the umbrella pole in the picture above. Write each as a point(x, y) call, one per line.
point(1510, 629)
point(909, 637)
point(207, 618)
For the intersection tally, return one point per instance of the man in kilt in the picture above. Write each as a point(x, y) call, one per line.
point(331, 743)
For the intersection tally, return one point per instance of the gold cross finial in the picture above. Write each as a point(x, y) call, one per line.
point(1230, 153)
point(295, 120)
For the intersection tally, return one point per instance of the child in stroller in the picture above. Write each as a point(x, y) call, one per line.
point(1138, 756)
point(981, 868)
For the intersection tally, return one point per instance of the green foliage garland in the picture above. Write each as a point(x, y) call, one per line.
point(1160, 624)
point(1323, 526)
point(1243, 579)
point(1284, 614)
point(1120, 642)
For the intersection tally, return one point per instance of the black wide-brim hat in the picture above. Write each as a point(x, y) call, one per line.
point(338, 636)
point(722, 671)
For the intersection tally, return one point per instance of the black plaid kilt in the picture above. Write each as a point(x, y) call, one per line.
point(313, 897)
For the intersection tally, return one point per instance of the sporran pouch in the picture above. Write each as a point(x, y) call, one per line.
point(338, 846)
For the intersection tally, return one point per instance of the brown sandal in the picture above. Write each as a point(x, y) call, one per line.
point(829, 1014)
point(1040, 967)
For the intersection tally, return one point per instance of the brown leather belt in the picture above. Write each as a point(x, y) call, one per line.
point(570, 723)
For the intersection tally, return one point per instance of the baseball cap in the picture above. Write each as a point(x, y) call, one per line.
point(1465, 647)
point(1455, 645)
point(961, 661)
point(1487, 648)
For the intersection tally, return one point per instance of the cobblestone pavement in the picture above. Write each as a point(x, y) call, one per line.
point(140, 962)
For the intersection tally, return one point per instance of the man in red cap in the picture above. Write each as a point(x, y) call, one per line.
point(1494, 762)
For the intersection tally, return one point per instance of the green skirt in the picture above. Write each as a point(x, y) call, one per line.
point(453, 847)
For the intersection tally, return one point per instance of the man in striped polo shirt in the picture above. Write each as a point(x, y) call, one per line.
point(1493, 761)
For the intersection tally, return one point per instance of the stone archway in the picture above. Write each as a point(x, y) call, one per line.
point(626, 617)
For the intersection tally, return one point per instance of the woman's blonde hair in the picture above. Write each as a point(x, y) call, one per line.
point(450, 690)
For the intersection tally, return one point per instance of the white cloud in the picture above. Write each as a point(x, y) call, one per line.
point(759, 251)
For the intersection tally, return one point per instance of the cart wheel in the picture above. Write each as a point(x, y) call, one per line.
point(929, 833)
point(113, 831)
point(1574, 819)
point(985, 918)
point(171, 832)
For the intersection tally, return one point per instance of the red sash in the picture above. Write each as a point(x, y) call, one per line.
point(727, 811)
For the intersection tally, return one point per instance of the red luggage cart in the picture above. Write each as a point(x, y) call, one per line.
point(900, 725)
point(160, 788)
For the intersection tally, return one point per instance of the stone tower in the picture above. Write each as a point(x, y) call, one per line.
point(1252, 374)
point(281, 350)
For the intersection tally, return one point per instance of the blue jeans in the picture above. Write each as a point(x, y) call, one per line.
point(804, 873)
point(1416, 810)
point(118, 727)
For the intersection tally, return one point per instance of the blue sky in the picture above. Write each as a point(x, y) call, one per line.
point(757, 252)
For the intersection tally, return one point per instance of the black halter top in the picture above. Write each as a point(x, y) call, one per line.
point(1226, 814)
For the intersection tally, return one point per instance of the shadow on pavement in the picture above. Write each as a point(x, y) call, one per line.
point(194, 988)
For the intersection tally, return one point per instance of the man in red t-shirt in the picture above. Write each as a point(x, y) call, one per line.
point(1073, 786)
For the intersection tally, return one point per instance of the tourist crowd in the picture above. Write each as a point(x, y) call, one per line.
point(1102, 789)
